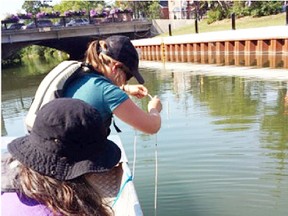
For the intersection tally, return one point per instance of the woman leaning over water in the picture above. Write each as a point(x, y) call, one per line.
point(113, 62)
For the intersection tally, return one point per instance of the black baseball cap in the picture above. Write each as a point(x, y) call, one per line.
point(120, 48)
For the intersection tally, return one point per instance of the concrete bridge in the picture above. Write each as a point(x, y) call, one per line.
point(72, 40)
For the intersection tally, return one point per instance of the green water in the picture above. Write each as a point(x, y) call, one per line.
point(222, 149)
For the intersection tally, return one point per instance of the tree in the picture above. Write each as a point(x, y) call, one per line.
point(140, 8)
point(32, 6)
point(154, 10)
point(77, 5)
point(219, 10)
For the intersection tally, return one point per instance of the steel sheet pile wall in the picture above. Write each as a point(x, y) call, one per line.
point(261, 47)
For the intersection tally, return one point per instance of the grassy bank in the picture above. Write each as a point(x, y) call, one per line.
point(241, 23)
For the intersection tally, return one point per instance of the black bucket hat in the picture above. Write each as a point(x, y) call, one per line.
point(68, 139)
point(121, 49)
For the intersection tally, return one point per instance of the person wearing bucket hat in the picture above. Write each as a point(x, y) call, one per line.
point(68, 141)
point(113, 62)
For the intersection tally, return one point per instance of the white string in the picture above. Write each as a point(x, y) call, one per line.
point(134, 159)
point(156, 170)
point(156, 176)
point(150, 96)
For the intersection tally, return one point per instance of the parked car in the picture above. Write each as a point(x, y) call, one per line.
point(40, 24)
point(78, 22)
point(15, 26)
point(59, 23)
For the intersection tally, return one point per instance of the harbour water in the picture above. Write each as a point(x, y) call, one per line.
point(222, 148)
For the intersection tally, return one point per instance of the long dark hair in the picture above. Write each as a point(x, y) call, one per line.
point(73, 197)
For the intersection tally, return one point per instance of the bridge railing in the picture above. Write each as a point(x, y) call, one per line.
point(62, 21)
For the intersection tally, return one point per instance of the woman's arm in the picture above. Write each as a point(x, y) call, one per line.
point(131, 114)
point(137, 90)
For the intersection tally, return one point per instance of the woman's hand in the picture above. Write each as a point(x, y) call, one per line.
point(138, 91)
point(133, 115)
point(155, 103)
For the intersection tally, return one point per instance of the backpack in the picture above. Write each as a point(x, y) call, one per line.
point(52, 86)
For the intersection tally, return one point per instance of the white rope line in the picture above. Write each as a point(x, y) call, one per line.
point(134, 155)
point(156, 175)
point(150, 96)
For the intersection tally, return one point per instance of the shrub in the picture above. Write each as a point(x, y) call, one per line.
point(214, 15)
point(266, 8)
point(257, 8)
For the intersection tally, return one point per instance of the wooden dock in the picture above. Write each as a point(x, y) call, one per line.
point(260, 47)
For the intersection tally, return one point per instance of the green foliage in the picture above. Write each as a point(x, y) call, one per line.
point(47, 9)
point(141, 8)
point(123, 4)
point(265, 8)
point(214, 15)
point(32, 6)
point(243, 23)
point(257, 8)
point(154, 10)
point(220, 9)
point(39, 51)
point(240, 9)
point(12, 61)
point(77, 5)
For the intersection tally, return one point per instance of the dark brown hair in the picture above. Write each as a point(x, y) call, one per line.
point(73, 197)
point(98, 60)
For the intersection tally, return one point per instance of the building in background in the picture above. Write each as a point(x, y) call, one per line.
point(164, 9)
point(183, 9)
point(174, 9)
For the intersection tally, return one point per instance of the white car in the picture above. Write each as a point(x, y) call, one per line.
point(78, 22)
point(41, 23)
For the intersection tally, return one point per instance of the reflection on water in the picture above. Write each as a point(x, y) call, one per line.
point(222, 148)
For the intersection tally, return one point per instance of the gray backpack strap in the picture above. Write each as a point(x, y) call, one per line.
point(53, 81)
point(78, 73)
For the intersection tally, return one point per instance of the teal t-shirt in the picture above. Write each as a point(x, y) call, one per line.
point(97, 91)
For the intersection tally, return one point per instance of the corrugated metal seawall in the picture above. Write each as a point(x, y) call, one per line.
point(260, 47)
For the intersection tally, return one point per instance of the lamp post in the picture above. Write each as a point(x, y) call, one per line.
point(233, 21)
point(286, 8)
point(188, 9)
